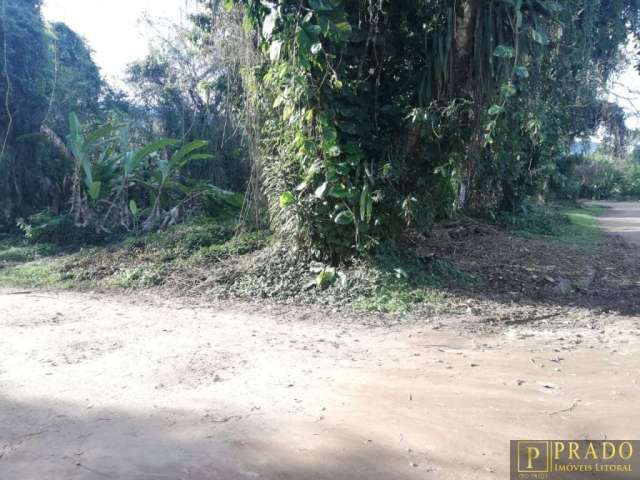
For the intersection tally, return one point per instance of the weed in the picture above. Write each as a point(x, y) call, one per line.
point(17, 251)
point(38, 274)
point(573, 225)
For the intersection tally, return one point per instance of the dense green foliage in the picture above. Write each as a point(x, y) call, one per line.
point(598, 176)
point(46, 71)
point(376, 115)
point(63, 177)
point(346, 123)
point(185, 89)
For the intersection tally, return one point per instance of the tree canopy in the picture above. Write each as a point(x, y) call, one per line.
point(347, 122)
point(47, 71)
point(380, 114)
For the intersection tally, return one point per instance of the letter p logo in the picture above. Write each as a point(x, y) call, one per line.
point(533, 456)
point(533, 453)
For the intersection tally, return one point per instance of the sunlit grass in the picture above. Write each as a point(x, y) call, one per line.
point(37, 274)
point(14, 251)
point(571, 225)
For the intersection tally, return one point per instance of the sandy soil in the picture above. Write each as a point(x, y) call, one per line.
point(107, 387)
point(622, 218)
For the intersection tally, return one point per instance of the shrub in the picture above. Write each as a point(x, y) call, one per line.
point(47, 227)
point(534, 219)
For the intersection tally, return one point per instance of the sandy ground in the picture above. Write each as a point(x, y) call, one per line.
point(622, 218)
point(96, 387)
point(147, 388)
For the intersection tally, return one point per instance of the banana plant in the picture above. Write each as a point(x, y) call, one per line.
point(82, 148)
point(131, 160)
point(167, 170)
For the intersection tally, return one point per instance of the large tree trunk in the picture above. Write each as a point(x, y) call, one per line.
point(462, 83)
point(464, 39)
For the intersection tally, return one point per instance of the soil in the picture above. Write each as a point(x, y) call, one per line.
point(533, 277)
point(148, 387)
point(623, 219)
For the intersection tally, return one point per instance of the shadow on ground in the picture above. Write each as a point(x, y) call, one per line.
point(53, 440)
point(532, 272)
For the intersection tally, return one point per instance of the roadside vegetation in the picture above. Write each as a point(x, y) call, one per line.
point(575, 225)
point(210, 258)
point(352, 154)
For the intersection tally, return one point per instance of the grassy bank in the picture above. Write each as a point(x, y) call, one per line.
point(573, 225)
point(210, 258)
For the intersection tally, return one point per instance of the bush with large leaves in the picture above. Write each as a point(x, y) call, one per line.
point(379, 114)
point(116, 182)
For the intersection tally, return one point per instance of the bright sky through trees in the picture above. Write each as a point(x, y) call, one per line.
point(112, 27)
point(117, 46)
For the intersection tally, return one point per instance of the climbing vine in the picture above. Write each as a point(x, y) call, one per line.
point(379, 114)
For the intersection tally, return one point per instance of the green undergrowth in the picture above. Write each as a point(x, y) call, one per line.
point(24, 264)
point(14, 249)
point(213, 259)
point(46, 273)
point(391, 280)
point(572, 225)
point(204, 257)
point(157, 259)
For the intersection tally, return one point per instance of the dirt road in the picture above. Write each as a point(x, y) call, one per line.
point(622, 218)
point(95, 387)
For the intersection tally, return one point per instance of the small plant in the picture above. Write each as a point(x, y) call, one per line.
point(47, 227)
point(533, 219)
point(115, 183)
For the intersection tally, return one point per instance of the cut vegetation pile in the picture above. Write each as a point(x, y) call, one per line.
point(544, 258)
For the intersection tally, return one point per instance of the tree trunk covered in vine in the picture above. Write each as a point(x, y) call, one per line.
point(466, 13)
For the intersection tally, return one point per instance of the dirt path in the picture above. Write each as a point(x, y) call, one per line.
point(95, 387)
point(622, 218)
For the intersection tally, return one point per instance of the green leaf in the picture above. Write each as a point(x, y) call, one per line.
point(339, 191)
point(343, 29)
point(495, 110)
point(74, 125)
point(177, 159)
point(287, 199)
point(133, 207)
point(304, 42)
point(345, 218)
point(504, 51)
point(316, 48)
point(334, 151)
point(313, 31)
point(329, 132)
point(97, 135)
point(540, 36)
point(88, 171)
point(145, 151)
point(201, 156)
point(288, 111)
point(521, 71)
point(507, 90)
point(326, 277)
point(94, 190)
point(227, 5)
